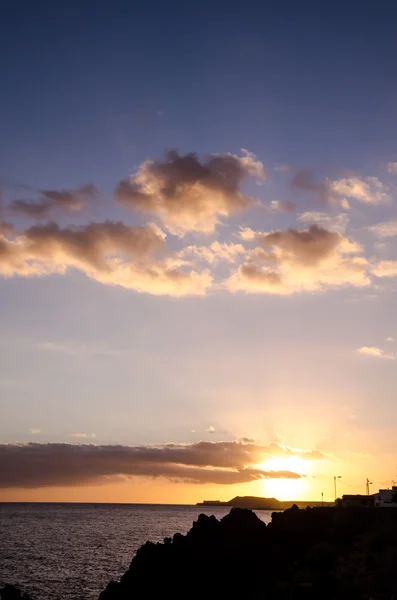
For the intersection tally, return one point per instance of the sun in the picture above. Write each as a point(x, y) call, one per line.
point(285, 488)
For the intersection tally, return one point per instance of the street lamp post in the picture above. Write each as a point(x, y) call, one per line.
point(335, 478)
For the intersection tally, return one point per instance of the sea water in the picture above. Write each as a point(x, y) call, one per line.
point(71, 551)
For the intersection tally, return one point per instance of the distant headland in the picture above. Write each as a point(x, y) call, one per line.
point(258, 503)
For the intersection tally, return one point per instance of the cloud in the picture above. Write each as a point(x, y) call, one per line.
point(92, 244)
point(82, 435)
point(109, 252)
point(289, 261)
point(392, 168)
point(369, 190)
point(252, 278)
point(5, 228)
point(336, 223)
point(53, 201)
point(390, 339)
point(157, 278)
point(214, 253)
point(188, 194)
point(384, 230)
point(304, 181)
point(308, 247)
point(35, 431)
point(281, 206)
point(210, 429)
point(33, 465)
point(375, 352)
point(385, 268)
point(248, 235)
point(282, 168)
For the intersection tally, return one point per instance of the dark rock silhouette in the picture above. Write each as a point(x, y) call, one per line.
point(319, 554)
point(10, 592)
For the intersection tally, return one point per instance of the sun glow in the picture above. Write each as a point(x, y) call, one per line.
point(295, 464)
point(285, 488)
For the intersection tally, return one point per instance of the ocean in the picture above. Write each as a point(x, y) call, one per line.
point(71, 551)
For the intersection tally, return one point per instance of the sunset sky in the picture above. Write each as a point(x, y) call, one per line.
point(198, 250)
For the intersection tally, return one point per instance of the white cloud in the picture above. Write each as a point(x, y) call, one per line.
point(282, 168)
point(35, 431)
point(375, 352)
point(390, 339)
point(336, 223)
point(386, 229)
point(281, 206)
point(369, 190)
point(82, 435)
point(210, 429)
point(392, 168)
point(214, 253)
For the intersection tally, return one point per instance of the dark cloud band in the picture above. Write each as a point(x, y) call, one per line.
point(34, 465)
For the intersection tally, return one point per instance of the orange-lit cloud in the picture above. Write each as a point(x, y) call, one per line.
point(39, 465)
point(295, 261)
point(215, 252)
point(369, 190)
point(109, 252)
point(375, 352)
point(188, 194)
point(385, 268)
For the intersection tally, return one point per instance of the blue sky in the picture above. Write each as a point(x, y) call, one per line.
point(90, 91)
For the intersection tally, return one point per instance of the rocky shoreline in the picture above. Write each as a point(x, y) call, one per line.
point(317, 553)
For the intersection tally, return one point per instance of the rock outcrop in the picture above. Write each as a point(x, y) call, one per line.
point(10, 592)
point(319, 554)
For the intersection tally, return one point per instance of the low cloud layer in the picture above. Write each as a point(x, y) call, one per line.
point(34, 465)
point(189, 194)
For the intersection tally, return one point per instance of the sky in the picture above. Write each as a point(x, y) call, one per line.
point(198, 250)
